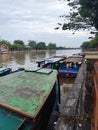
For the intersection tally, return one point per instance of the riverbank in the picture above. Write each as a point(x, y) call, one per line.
point(78, 109)
point(76, 106)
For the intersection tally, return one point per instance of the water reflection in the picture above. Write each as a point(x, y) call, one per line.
point(19, 57)
point(50, 53)
point(4, 59)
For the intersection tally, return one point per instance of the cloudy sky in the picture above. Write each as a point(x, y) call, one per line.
point(35, 20)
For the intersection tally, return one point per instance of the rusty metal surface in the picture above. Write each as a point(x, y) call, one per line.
point(95, 112)
point(26, 92)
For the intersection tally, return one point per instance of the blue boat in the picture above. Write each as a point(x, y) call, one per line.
point(4, 71)
point(68, 72)
point(70, 66)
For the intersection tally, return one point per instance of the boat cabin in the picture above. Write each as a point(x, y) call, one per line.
point(27, 99)
point(51, 63)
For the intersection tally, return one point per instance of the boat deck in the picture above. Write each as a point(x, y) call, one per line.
point(26, 92)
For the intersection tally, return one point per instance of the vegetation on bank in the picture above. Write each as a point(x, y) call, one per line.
point(19, 45)
point(32, 45)
point(92, 44)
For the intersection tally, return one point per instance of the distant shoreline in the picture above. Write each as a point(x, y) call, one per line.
point(35, 51)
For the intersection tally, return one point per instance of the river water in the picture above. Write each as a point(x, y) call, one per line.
point(26, 60)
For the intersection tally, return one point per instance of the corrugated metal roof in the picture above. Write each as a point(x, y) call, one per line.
point(26, 92)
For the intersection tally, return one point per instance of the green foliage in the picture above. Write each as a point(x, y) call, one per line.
point(85, 45)
point(51, 46)
point(41, 45)
point(32, 44)
point(5, 42)
point(91, 44)
point(83, 15)
point(19, 44)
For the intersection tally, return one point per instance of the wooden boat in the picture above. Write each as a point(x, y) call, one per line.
point(27, 99)
point(51, 63)
point(5, 71)
point(70, 66)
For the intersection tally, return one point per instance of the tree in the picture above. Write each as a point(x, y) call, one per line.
point(41, 45)
point(32, 44)
point(83, 15)
point(85, 45)
point(94, 41)
point(51, 46)
point(5, 42)
point(19, 44)
point(90, 44)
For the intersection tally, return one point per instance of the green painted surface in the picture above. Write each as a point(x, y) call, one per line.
point(26, 91)
point(2, 68)
point(9, 121)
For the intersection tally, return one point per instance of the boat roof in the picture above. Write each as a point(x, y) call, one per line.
point(74, 59)
point(51, 59)
point(26, 92)
point(55, 59)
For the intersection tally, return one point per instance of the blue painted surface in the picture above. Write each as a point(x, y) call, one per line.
point(68, 72)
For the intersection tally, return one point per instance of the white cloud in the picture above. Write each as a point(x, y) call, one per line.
point(36, 20)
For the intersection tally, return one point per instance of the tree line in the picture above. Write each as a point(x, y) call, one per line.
point(32, 45)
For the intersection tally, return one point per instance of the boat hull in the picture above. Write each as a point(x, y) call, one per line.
point(5, 71)
point(67, 72)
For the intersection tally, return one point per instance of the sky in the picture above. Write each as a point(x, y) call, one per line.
point(35, 20)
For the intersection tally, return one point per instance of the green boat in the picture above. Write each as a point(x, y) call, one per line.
point(27, 99)
point(4, 71)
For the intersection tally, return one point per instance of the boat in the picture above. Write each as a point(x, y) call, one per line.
point(51, 63)
point(4, 70)
point(28, 98)
point(79, 54)
point(70, 66)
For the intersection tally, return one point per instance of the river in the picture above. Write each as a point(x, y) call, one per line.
point(17, 60)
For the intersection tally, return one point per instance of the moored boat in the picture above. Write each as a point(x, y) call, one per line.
point(51, 63)
point(4, 71)
point(27, 99)
point(70, 66)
